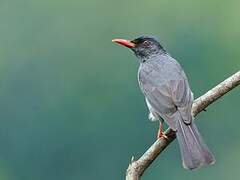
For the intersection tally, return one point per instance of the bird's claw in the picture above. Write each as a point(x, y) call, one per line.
point(162, 135)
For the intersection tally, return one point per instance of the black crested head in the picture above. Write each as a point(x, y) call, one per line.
point(146, 46)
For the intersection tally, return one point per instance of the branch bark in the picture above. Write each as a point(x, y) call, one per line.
point(136, 168)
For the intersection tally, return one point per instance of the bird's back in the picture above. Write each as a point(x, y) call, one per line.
point(160, 70)
point(165, 86)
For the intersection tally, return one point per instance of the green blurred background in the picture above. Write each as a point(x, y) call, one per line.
point(70, 105)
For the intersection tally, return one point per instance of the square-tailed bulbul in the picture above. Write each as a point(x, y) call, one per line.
point(169, 98)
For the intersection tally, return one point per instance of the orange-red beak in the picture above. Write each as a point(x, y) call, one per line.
point(124, 42)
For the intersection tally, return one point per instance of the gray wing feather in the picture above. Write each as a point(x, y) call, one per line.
point(158, 97)
point(183, 99)
point(162, 105)
point(167, 93)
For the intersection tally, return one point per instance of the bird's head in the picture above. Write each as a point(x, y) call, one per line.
point(144, 47)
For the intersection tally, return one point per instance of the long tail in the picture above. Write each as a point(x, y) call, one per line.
point(194, 151)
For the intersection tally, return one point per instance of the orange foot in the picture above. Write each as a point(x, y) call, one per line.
point(161, 135)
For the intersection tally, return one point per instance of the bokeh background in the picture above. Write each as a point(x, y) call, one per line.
point(70, 106)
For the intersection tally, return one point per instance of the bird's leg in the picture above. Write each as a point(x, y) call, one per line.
point(161, 133)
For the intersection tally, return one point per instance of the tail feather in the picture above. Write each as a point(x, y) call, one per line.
point(194, 151)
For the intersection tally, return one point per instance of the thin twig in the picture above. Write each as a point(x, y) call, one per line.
point(136, 168)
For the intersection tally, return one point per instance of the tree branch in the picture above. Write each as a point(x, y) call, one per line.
point(136, 168)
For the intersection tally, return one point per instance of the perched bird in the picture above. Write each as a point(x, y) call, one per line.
point(169, 98)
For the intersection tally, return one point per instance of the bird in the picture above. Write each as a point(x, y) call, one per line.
point(169, 98)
